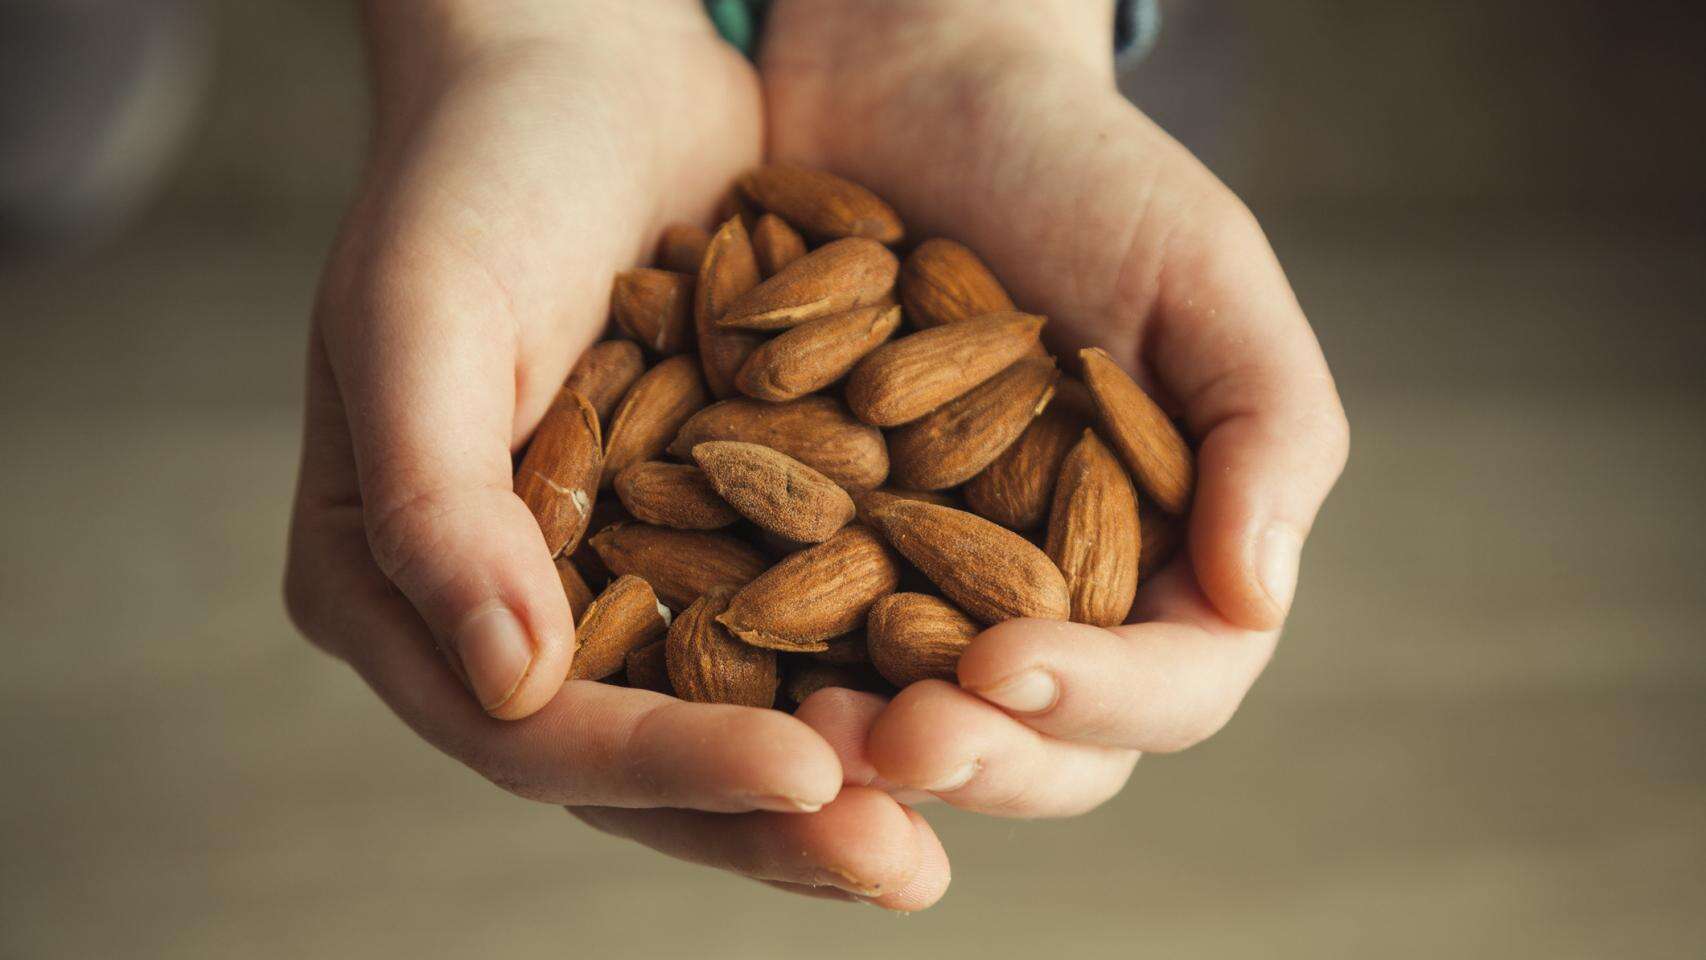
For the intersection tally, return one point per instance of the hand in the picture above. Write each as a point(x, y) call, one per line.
point(519, 159)
point(999, 125)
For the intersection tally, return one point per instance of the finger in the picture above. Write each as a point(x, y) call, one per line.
point(863, 843)
point(1158, 686)
point(844, 719)
point(937, 737)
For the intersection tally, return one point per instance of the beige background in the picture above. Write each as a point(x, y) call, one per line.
point(1482, 736)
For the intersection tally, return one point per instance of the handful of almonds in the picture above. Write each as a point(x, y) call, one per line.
point(838, 467)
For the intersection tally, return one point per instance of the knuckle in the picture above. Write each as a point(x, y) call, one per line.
point(404, 532)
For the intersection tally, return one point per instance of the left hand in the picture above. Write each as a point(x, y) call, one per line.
point(999, 125)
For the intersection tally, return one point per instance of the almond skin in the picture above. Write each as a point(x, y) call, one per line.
point(822, 204)
point(605, 372)
point(943, 282)
point(626, 616)
point(844, 651)
point(728, 272)
point(775, 244)
point(574, 587)
point(816, 353)
point(673, 495)
point(990, 572)
point(655, 307)
point(914, 636)
point(815, 595)
point(606, 512)
point(653, 411)
point(774, 490)
point(949, 445)
point(706, 665)
point(1160, 534)
point(558, 476)
point(1093, 533)
point(806, 677)
point(865, 502)
point(816, 430)
point(834, 278)
point(1141, 432)
point(907, 378)
point(679, 564)
point(681, 248)
point(1017, 488)
point(648, 668)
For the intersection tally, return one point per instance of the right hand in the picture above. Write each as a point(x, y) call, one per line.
point(523, 152)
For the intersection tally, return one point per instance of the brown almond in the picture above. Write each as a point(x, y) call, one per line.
point(844, 651)
point(775, 244)
point(1141, 432)
point(574, 586)
point(734, 204)
point(864, 503)
point(816, 353)
point(558, 476)
point(663, 399)
point(606, 512)
point(679, 564)
point(626, 616)
point(834, 278)
point(727, 273)
point(655, 307)
point(706, 665)
point(774, 490)
point(949, 445)
point(1017, 488)
point(815, 595)
point(806, 677)
point(1093, 533)
point(821, 203)
point(815, 430)
point(989, 571)
point(605, 372)
point(673, 495)
point(1160, 533)
point(907, 378)
point(943, 282)
point(648, 669)
point(681, 248)
point(914, 636)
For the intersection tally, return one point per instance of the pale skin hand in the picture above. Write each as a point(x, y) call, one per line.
point(524, 151)
point(998, 124)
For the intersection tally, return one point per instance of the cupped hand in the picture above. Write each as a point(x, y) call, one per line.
point(524, 151)
point(999, 125)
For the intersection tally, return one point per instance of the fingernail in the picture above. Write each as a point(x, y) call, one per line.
point(781, 804)
point(496, 653)
point(1277, 555)
point(1031, 691)
point(955, 780)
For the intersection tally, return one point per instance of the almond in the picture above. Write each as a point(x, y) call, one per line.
point(606, 512)
point(1160, 533)
point(673, 495)
point(949, 445)
point(775, 244)
point(815, 430)
point(727, 273)
point(1016, 489)
point(817, 594)
point(681, 248)
point(605, 372)
point(943, 282)
point(558, 476)
point(655, 307)
point(865, 502)
point(706, 665)
point(914, 636)
point(834, 278)
point(663, 399)
point(844, 651)
point(626, 616)
point(807, 677)
point(1093, 533)
point(816, 353)
point(647, 668)
point(907, 378)
point(1146, 439)
point(774, 490)
point(990, 572)
point(679, 564)
point(574, 587)
point(822, 204)
point(734, 205)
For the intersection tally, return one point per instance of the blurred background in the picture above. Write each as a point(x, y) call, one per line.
point(1483, 732)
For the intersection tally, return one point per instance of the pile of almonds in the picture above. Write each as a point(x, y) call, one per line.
point(822, 486)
